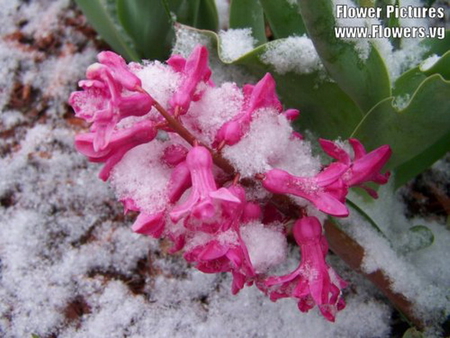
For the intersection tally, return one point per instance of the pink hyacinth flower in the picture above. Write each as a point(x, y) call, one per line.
point(110, 93)
point(195, 70)
point(202, 207)
point(121, 142)
point(325, 190)
point(313, 282)
point(363, 167)
point(261, 95)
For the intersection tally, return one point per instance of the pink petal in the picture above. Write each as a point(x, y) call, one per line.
point(150, 224)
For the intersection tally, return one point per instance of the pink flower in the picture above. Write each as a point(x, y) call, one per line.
point(110, 93)
point(363, 167)
point(219, 256)
point(150, 224)
point(202, 208)
point(261, 95)
point(120, 143)
point(325, 190)
point(195, 70)
point(313, 282)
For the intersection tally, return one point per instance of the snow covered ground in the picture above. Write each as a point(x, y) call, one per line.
point(70, 266)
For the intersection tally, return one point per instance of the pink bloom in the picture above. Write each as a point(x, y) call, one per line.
point(261, 95)
point(195, 70)
point(180, 181)
point(174, 155)
point(202, 208)
point(363, 167)
point(150, 224)
point(313, 282)
point(216, 256)
point(225, 251)
point(110, 93)
point(120, 143)
point(291, 114)
point(324, 190)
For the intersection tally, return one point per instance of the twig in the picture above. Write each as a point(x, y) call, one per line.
point(185, 134)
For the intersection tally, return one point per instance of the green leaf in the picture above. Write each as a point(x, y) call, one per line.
point(201, 14)
point(208, 18)
point(147, 23)
point(437, 46)
point(420, 129)
point(365, 81)
point(248, 14)
point(101, 15)
point(284, 18)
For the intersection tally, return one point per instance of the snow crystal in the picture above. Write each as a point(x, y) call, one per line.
point(266, 246)
point(401, 102)
point(187, 40)
point(429, 62)
point(264, 147)
point(159, 80)
point(140, 176)
point(223, 11)
point(294, 54)
point(218, 105)
point(236, 42)
point(426, 291)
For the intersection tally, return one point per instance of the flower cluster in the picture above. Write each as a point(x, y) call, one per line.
point(202, 164)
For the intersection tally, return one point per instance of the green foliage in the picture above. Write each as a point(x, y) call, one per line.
point(148, 25)
point(365, 81)
point(144, 29)
point(248, 14)
point(284, 18)
point(103, 17)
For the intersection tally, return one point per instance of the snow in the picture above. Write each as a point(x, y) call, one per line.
point(293, 54)
point(429, 62)
point(414, 273)
point(64, 239)
point(140, 177)
point(264, 147)
point(223, 9)
point(236, 42)
point(266, 246)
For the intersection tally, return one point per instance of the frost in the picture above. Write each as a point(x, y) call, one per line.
point(294, 54)
point(266, 246)
point(409, 274)
point(236, 42)
point(401, 102)
point(429, 62)
point(265, 146)
point(223, 9)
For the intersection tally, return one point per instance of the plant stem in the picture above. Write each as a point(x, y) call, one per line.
point(185, 134)
point(352, 254)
